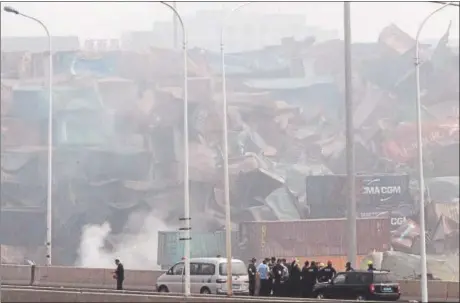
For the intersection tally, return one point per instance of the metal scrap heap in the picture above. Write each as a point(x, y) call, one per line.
point(118, 129)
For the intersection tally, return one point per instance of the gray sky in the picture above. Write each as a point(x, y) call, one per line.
point(109, 20)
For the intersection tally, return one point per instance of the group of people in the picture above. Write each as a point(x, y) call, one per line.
point(282, 279)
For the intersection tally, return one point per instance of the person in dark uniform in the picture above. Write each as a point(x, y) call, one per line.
point(277, 275)
point(309, 279)
point(294, 280)
point(326, 273)
point(284, 261)
point(305, 267)
point(271, 264)
point(348, 267)
point(252, 270)
point(119, 274)
point(304, 275)
point(285, 278)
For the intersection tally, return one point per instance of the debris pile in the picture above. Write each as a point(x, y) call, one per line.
point(406, 266)
point(118, 129)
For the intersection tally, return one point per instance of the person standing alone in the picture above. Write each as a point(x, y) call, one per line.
point(119, 274)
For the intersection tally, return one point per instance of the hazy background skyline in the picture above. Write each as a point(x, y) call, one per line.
point(102, 20)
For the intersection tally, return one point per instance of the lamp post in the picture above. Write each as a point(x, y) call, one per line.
point(228, 223)
point(49, 199)
point(175, 26)
point(424, 283)
point(186, 217)
point(448, 3)
point(350, 139)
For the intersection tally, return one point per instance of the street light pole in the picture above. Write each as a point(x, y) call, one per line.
point(448, 3)
point(228, 223)
point(49, 200)
point(186, 217)
point(350, 139)
point(175, 26)
point(424, 282)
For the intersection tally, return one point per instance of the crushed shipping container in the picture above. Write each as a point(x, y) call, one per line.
point(375, 194)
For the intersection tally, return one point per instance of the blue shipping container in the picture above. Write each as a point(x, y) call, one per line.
point(203, 244)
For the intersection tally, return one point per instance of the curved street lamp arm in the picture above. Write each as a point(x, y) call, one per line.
point(224, 22)
point(443, 2)
point(36, 20)
point(417, 36)
point(184, 34)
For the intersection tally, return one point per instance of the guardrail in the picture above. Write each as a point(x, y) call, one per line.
point(144, 280)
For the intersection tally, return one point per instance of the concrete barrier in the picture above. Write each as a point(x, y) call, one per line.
point(134, 279)
point(140, 279)
point(23, 295)
point(410, 288)
point(93, 277)
point(453, 290)
point(436, 289)
point(68, 277)
point(16, 274)
point(144, 280)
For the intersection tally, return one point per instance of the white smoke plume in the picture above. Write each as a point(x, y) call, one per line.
point(136, 247)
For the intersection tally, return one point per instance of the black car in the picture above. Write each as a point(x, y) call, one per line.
point(360, 285)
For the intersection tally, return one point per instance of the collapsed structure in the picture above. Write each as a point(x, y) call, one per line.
point(118, 134)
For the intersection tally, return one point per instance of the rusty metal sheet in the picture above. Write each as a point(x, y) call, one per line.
point(402, 146)
point(311, 237)
point(448, 210)
point(373, 234)
point(434, 212)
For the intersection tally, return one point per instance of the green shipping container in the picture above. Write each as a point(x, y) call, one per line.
point(203, 244)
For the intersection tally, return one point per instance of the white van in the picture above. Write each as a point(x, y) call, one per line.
point(207, 276)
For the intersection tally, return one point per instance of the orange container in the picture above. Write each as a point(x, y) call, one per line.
point(314, 237)
point(338, 262)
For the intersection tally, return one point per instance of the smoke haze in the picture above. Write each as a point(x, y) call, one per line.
point(136, 247)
